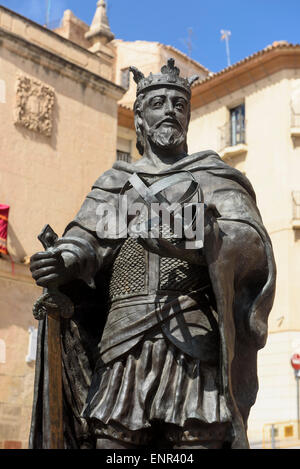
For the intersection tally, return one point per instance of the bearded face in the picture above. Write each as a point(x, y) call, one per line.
point(164, 119)
point(167, 134)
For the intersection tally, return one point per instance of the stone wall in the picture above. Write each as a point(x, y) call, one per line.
point(17, 295)
point(58, 120)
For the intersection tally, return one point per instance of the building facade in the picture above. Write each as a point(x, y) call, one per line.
point(58, 120)
point(249, 113)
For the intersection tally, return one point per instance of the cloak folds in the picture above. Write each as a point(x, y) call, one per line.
point(242, 272)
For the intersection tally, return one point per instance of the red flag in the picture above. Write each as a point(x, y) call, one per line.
point(4, 209)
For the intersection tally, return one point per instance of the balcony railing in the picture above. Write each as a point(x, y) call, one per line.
point(123, 156)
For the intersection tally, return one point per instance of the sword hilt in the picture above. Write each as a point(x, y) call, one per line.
point(52, 302)
point(47, 237)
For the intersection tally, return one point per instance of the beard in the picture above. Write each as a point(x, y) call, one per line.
point(166, 137)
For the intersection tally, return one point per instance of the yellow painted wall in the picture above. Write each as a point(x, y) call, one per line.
point(44, 180)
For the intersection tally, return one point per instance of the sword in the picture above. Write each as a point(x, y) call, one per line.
point(51, 306)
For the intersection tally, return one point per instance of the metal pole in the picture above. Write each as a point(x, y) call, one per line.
point(227, 51)
point(226, 35)
point(48, 12)
point(273, 445)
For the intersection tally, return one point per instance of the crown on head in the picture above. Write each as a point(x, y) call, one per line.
point(169, 76)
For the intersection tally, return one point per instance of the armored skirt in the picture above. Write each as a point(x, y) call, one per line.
point(156, 382)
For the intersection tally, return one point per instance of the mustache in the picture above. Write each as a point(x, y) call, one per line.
point(171, 120)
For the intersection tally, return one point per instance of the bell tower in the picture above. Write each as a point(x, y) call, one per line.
point(99, 35)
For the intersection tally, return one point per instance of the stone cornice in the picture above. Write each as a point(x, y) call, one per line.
point(50, 60)
point(249, 71)
point(43, 29)
point(47, 48)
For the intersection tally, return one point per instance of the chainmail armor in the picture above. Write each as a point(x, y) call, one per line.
point(128, 275)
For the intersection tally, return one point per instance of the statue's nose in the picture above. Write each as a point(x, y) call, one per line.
point(169, 110)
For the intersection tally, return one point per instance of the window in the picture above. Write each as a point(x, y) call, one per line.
point(124, 149)
point(237, 125)
point(123, 156)
point(125, 78)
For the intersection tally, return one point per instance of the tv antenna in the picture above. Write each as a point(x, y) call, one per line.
point(225, 36)
point(48, 9)
point(188, 42)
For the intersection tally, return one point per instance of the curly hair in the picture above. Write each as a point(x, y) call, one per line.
point(139, 135)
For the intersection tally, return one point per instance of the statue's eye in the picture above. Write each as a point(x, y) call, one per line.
point(180, 105)
point(157, 103)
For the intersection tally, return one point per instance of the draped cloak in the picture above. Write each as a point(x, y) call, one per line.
point(242, 272)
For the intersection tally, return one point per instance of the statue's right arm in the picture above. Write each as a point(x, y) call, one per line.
point(76, 255)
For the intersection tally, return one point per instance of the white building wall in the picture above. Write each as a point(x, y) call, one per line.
point(272, 164)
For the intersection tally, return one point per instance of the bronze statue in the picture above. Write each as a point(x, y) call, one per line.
point(161, 349)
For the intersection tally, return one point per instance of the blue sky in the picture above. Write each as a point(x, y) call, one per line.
point(254, 24)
